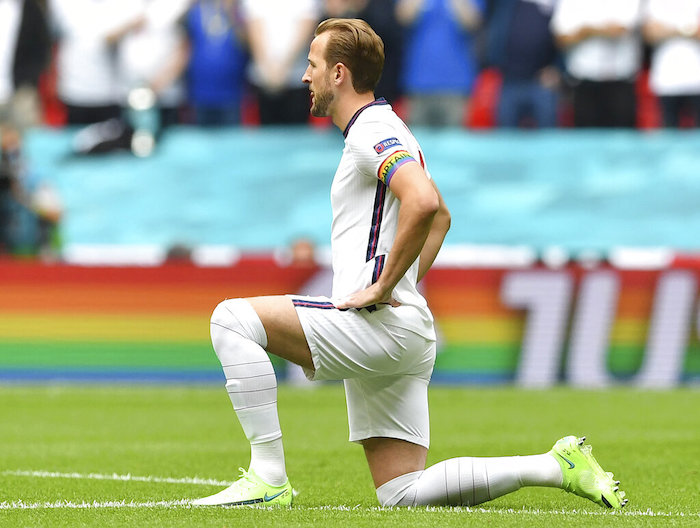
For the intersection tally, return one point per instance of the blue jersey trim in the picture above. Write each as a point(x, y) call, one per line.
point(378, 267)
point(304, 303)
point(377, 215)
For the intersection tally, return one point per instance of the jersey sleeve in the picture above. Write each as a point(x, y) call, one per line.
point(379, 151)
point(564, 20)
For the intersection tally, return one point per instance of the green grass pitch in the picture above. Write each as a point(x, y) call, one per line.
point(129, 456)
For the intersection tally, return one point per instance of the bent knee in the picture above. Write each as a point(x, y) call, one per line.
point(400, 491)
point(239, 317)
point(222, 313)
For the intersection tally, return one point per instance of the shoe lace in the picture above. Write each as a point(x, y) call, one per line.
point(244, 479)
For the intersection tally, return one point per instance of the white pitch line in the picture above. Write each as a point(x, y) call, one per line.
point(21, 505)
point(115, 476)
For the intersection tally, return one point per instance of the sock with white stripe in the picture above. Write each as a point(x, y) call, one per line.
point(469, 481)
point(239, 338)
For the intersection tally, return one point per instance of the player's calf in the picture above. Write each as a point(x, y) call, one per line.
point(239, 338)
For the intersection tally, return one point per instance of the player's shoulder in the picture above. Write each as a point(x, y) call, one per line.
point(379, 143)
point(379, 129)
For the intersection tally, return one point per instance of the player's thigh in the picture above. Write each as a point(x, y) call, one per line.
point(389, 407)
point(393, 426)
point(285, 336)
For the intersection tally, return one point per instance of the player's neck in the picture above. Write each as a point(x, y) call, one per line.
point(350, 104)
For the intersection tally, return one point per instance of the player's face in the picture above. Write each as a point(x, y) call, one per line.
point(318, 77)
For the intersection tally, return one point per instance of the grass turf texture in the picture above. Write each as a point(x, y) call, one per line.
point(649, 439)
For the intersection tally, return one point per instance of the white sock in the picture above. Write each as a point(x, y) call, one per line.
point(267, 460)
point(469, 481)
point(239, 338)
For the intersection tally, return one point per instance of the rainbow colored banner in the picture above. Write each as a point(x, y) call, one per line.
point(148, 323)
point(533, 326)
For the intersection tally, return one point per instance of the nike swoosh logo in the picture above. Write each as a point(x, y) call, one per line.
point(267, 498)
point(571, 464)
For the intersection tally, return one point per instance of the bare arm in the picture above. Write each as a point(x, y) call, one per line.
point(612, 31)
point(275, 73)
point(235, 18)
point(655, 32)
point(420, 203)
point(304, 35)
point(438, 230)
point(136, 23)
point(407, 11)
point(256, 38)
point(466, 13)
point(173, 69)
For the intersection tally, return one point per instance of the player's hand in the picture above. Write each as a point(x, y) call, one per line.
point(368, 297)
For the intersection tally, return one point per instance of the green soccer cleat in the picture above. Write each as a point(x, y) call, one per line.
point(583, 476)
point(250, 490)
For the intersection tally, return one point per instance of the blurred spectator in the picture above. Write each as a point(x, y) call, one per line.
point(153, 52)
point(338, 9)
point(216, 73)
point(521, 47)
point(179, 253)
point(439, 59)
point(24, 53)
point(30, 210)
point(671, 27)
point(279, 33)
point(9, 186)
point(381, 15)
point(303, 252)
point(603, 52)
point(85, 68)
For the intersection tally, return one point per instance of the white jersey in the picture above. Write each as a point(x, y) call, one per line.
point(675, 62)
point(365, 211)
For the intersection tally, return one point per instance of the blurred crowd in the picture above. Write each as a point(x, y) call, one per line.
point(125, 70)
point(463, 63)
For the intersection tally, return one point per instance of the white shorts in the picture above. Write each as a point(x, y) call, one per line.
point(386, 369)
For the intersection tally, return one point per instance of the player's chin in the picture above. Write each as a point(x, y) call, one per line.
point(318, 112)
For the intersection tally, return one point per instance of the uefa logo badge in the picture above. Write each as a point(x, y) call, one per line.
point(387, 143)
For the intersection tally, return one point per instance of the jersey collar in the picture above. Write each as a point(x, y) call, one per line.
point(380, 101)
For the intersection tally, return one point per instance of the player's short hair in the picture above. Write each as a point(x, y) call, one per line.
point(354, 43)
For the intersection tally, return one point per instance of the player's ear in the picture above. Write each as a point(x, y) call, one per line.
point(340, 72)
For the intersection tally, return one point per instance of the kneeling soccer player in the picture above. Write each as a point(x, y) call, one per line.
point(376, 332)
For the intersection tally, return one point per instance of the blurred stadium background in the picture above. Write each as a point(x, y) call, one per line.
point(573, 257)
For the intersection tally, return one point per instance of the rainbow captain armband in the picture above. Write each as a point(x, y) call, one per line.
point(392, 163)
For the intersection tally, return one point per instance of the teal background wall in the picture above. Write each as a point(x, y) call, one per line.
point(257, 188)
